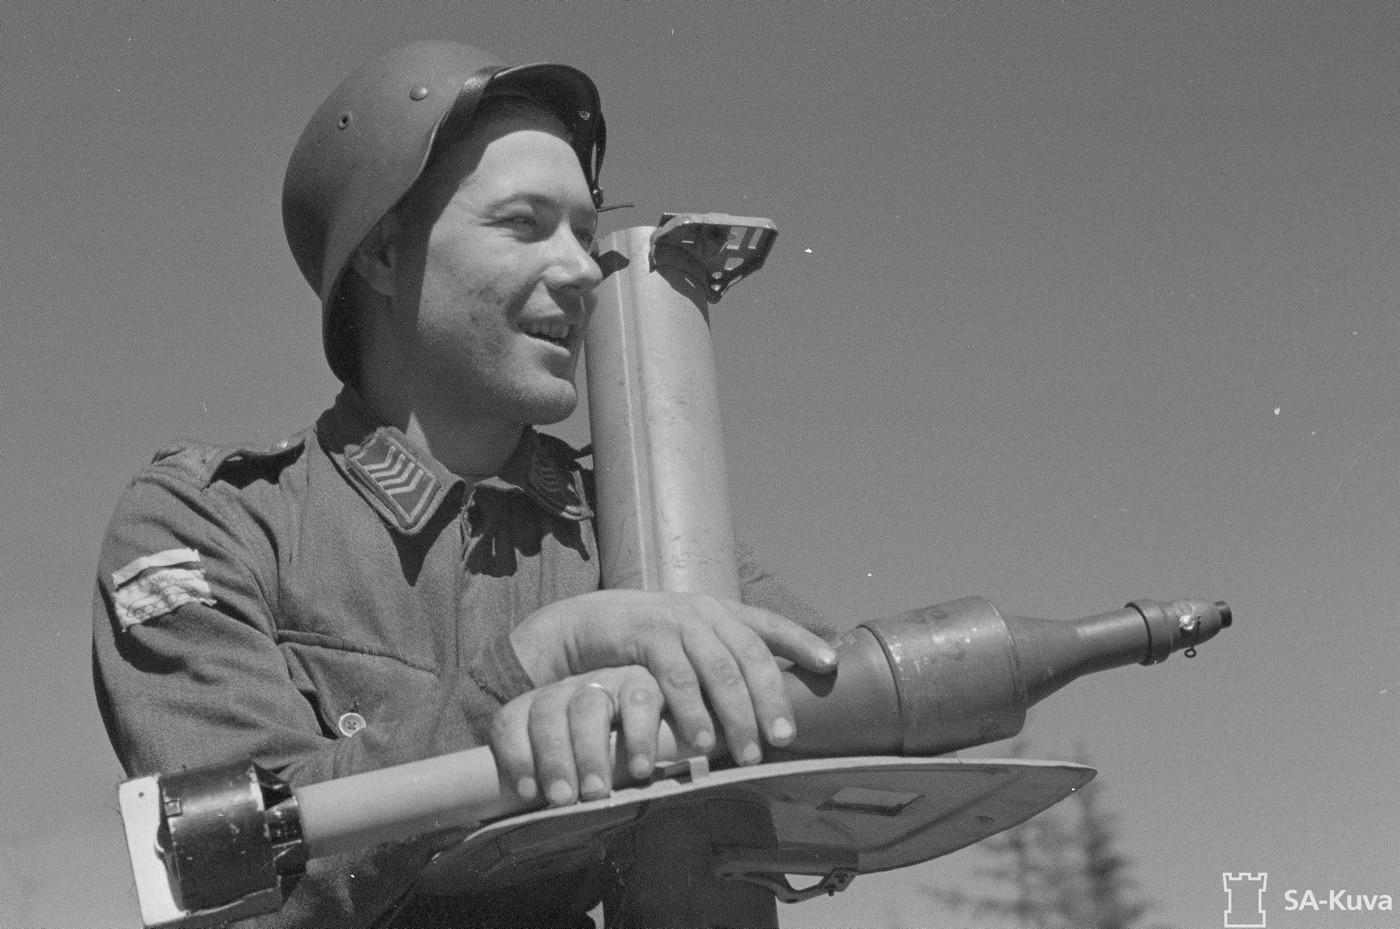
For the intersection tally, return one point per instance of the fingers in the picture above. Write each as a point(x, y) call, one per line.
point(676, 670)
point(707, 656)
point(771, 708)
point(788, 640)
point(556, 741)
point(732, 649)
point(510, 744)
point(738, 675)
point(569, 738)
point(640, 709)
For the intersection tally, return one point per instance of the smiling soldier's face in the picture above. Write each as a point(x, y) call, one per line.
point(495, 243)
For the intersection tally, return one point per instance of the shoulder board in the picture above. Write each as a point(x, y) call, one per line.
point(203, 462)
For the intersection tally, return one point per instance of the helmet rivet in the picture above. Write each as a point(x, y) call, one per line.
point(418, 93)
point(343, 121)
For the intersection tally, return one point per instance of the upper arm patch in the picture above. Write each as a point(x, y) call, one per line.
point(154, 585)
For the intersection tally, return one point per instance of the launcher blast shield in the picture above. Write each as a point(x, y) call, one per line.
point(921, 683)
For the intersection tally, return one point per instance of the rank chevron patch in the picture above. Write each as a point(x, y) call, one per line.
point(556, 486)
point(407, 487)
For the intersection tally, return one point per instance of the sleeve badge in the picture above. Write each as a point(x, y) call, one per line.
point(154, 585)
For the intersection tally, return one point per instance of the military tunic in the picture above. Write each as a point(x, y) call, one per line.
point(337, 603)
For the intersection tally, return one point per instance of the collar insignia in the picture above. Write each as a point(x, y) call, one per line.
point(407, 490)
point(555, 485)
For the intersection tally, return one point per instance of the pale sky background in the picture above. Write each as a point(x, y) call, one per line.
point(1072, 303)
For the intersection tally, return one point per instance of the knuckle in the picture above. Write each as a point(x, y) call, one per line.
point(643, 697)
point(503, 724)
point(681, 677)
point(751, 649)
point(588, 701)
point(552, 744)
point(698, 605)
point(723, 672)
point(498, 729)
point(708, 602)
point(545, 703)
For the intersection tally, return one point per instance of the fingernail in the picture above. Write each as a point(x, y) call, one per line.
point(560, 793)
point(593, 786)
point(527, 788)
point(782, 730)
point(827, 656)
point(751, 754)
point(704, 740)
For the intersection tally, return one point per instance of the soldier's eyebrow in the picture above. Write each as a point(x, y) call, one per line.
point(580, 213)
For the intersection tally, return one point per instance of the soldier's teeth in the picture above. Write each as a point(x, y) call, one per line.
point(548, 330)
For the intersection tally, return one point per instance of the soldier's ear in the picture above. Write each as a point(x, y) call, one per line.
point(376, 260)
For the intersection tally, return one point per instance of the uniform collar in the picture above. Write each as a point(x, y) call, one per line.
point(405, 485)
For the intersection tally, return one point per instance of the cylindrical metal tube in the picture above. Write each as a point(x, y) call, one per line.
point(920, 683)
point(663, 493)
point(925, 682)
point(410, 799)
point(663, 522)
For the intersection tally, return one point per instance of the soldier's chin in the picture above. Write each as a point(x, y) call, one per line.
point(546, 411)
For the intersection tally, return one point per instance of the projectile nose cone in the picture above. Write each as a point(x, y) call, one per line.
point(1226, 617)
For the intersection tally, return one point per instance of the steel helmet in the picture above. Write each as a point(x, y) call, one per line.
point(372, 137)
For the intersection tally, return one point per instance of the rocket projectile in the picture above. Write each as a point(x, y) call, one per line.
point(921, 683)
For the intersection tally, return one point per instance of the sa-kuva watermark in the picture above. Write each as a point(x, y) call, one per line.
point(1245, 901)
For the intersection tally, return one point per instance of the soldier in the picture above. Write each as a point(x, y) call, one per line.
point(417, 572)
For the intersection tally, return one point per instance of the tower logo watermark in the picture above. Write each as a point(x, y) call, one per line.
point(1244, 900)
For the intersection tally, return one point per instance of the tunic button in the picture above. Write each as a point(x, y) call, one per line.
point(351, 723)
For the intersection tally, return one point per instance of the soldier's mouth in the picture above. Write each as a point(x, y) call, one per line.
point(555, 333)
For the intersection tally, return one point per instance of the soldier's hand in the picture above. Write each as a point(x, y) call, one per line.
point(697, 648)
point(557, 739)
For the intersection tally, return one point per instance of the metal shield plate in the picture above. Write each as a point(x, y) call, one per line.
point(858, 815)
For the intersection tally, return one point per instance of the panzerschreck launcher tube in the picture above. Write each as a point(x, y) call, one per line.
point(921, 683)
